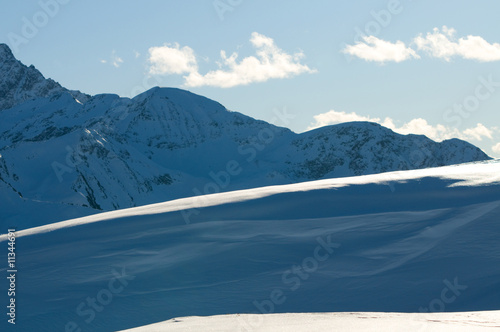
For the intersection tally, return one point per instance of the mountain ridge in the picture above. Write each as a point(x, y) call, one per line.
point(21, 83)
point(89, 154)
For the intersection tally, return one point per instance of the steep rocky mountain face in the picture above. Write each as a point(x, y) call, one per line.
point(64, 154)
point(19, 83)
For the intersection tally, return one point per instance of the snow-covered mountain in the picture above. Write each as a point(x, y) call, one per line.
point(19, 83)
point(64, 154)
point(335, 245)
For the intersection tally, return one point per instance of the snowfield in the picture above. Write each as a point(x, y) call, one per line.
point(408, 242)
point(350, 321)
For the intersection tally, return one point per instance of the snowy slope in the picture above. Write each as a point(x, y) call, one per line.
point(410, 241)
point(74, 155)
point(481, 321)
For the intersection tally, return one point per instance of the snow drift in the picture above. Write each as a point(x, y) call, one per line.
point(480, 321)
point(410, 241)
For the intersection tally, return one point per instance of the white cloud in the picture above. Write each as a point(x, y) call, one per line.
point(172, 60)
point(269, 62)
point(496, 148)
point(420, 126)
point(378, 50)
point(116, 60)
point(416, 126)
point(478, 132)
point(444, 44)
point(440, 43)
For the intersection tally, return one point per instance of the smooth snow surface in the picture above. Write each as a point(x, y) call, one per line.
point(481, 321)
point(466, 175)
point(424, 240)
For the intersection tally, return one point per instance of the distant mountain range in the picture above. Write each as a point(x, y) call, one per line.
point(65, 154)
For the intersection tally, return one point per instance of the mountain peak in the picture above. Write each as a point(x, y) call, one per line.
point(20, 83)
point(168, 92)
point(185, 99)
point(5, 53)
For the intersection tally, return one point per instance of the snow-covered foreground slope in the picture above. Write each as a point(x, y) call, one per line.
point(481, 321)
point(424, 240)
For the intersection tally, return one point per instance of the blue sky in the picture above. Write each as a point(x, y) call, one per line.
point(416, 66)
